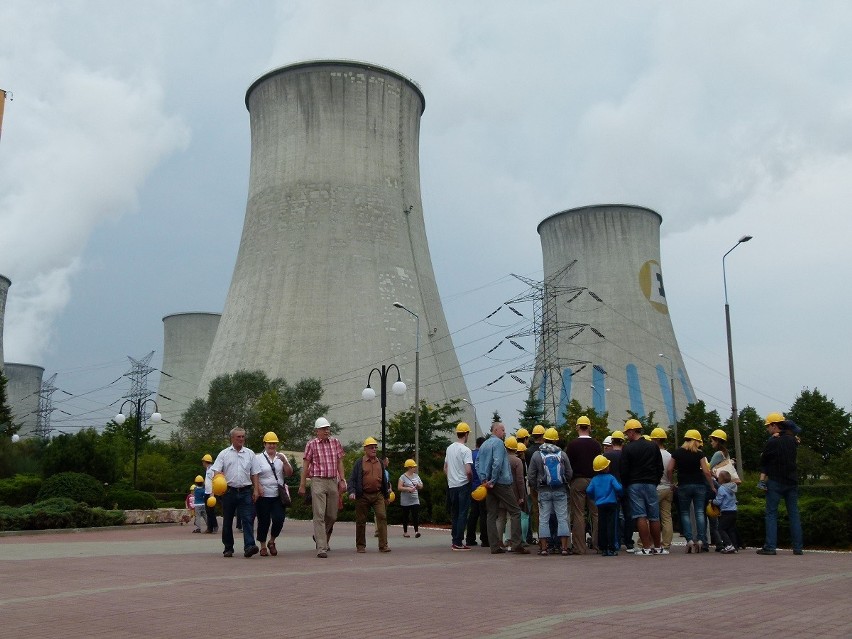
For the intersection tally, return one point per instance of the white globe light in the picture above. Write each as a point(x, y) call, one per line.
point(398, 388)
point(119, 419)
point(156, 418)
point(16, 438)
point(367, 394)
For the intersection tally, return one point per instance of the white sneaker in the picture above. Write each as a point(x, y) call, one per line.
point(661, 551)
point(644, 552)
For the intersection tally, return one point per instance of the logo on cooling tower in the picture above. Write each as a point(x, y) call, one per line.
point(651, 283)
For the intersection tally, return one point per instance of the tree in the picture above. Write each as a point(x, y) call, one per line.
point(752, 436)
point(648, 422)
point(7, 426)
point(84, 452)
point(495, 417)
point(826, 428)
point(533, 413)
point(699, 418)
point(437, 425)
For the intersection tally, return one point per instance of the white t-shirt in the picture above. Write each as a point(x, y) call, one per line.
point(457, 456)
point(265, 476)
point(664, 482)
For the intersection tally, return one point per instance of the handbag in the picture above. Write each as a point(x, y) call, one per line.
point(283, 491)
point(728, 466)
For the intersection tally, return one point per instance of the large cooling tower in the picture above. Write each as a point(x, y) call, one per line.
point(333, 236)
point(5, 283)
point(606, 318)
point(187, 338)
point(23, 394)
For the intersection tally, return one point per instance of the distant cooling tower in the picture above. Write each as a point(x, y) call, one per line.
point(606, 317)
point(23, 394)
point(187, 338)
point(5, 283)
point(333, 236)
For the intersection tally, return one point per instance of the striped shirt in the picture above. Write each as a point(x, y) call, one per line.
point(321, 457)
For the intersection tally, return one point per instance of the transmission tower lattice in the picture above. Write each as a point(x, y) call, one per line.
point(139, 392)
point(45, 407)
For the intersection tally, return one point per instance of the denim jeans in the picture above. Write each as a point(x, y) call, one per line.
point(549, 501)
point(790, 493)
point(237, 501)
point(692, 495)
point(459, 502)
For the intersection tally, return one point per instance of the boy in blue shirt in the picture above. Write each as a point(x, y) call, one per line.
point(726, 500)
point(605, 490)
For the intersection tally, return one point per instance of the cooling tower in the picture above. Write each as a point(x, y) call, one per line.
point(22, 393)
point(605, 317)
point(5, 283)
point(333, 236)
point(187, 338)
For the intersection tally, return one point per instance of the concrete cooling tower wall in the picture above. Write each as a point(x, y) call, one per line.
point(5, 283)
point(333, 236)
point(612, 315)
point(187, 338)
point(23, 393)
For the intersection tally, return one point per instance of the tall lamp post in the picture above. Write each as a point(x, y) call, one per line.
point(674, 406)
point(369, 394)
point(416, 385)
point(597, 392)
point(475, 420)
point(734, 413)
point(119, 419)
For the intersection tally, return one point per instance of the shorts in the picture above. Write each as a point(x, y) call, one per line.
point(644, 502)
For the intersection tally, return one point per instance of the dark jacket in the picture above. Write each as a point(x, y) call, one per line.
point(778, 459)
point(356, 480)
point(641, 463)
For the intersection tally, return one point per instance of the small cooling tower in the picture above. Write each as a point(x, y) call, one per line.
point(606, 317)
point(187, 338)
point(5, 283)
point(22, 393)
point(333, 236)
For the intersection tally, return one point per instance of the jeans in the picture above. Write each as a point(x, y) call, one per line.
point(269, 510)
point(623, 522)
point(478, 514)
point(237, 501)
point(790, 493)
point(550, 501)
point(692, 494)
point(459, 503)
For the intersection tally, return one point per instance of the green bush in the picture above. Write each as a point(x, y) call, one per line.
point(124, 498)
point(76, 486)
point(823, 523)
point(57, 512)
point(19, 490)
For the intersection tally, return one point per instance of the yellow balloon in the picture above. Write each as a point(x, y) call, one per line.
point(211, 502)
point(220, 485)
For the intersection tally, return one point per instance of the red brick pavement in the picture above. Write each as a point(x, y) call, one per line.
point(164, 581)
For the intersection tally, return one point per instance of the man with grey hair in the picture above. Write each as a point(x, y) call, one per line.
point(323, 463)
point(235, 462)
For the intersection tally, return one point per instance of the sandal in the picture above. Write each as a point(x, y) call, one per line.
point(263, 552)
point(542, 553)
point(565, 552)
point(272, 549)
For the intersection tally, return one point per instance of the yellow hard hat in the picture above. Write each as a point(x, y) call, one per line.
point(521, 447)
point(712, 510)
point(658, 433)
point(370, 442)
point(583, 421)
point(270, 438)
point(392, 497)
point(462, 428)
point(774, 418)
point(600, 463)
point(551, 435)
point(192, 487)
point(410, 463)
point(617, 434)
point(719, 434)
point(220, 485)
point(522, 432)
point(538, 429)
point(633, 424)
point(211, 502)
point(511, 442)
point(648, 437)
point(207, 458)
point(693, 434)
point(479, 493)
point(199, 479)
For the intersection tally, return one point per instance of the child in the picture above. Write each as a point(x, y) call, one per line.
point(726, 500)
point(198, 503)
point(605, 490)
point(408, 485)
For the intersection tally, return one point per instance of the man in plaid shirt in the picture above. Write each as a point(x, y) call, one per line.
point(324, 465)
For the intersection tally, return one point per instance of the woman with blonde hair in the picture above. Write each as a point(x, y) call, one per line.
point(693, 479)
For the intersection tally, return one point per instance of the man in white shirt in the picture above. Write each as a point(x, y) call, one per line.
point(458, 467)
point(664, 489)
point(236, 463)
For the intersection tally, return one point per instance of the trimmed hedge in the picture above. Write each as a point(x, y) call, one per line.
point(57, 512)
point(19, 490)
point(75, 486)
point(124, 498)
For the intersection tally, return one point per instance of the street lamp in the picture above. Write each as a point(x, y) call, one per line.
point(734, 413)
point(119, 419)
point(398, 388)
point(674, 406)
point(602, 395)
point(416, 385)
point(475, 420)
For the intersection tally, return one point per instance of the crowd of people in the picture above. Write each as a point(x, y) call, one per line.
point(590, 497)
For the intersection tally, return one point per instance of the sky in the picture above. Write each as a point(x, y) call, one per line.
point(125, 151)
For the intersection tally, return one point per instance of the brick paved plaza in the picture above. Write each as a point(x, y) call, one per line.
point(164, 581)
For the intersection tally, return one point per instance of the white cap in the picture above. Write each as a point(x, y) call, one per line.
point(322, 422)
point(607, 441)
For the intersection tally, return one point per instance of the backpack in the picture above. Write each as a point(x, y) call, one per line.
point(552, 469)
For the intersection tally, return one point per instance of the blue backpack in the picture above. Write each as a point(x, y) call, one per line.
point(553, 471)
